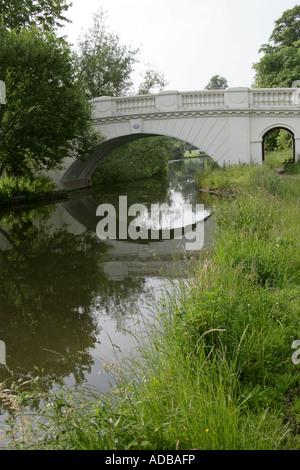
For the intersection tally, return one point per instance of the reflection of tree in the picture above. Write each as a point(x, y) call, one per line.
point(44, 278)
point(49, 280)
point(182, 178)
point(143, 191)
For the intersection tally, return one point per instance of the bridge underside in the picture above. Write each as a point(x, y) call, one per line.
point(78, 175)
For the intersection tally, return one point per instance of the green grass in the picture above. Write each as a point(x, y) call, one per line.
point(276, 158)
point(216, 372)
point(234, 178)
point(192, 153)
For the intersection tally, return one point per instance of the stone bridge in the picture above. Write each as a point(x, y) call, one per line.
point(228, 125)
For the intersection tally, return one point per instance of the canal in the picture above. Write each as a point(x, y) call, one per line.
point(72, 304)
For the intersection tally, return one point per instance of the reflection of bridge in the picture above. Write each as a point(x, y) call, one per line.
point(229, 125)
point(124, 258)
point(133, 258)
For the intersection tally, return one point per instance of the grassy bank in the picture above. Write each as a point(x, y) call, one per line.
point(217, 371)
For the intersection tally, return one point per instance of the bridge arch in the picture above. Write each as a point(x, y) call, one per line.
point(82, 171)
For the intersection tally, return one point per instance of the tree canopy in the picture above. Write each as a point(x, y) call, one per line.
point(45, 13)
point(105, 65)
point(152, 81)
point(46, 116)
point(217, 83)
point(280, 64)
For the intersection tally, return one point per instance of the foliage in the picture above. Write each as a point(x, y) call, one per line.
point(45, 13)
point(46, 117)
point(279, 139)
point(105, 65)
point(287, 30)
point(280, 65)
point(270, 139)
point(217, 83)
point(11, 186)
point(140, 159)
point(152, 81)
point(284, 140)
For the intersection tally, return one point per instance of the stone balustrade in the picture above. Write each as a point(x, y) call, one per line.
point(197, 100)
point(273, 97)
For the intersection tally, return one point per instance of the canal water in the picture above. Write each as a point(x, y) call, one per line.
point(71, 303)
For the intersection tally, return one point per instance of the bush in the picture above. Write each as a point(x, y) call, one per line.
point(11, 186)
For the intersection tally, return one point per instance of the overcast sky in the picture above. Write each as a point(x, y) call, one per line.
point(188, 41)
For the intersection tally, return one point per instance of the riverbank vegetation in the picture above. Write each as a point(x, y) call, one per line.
point(219, 369)
point(32, 188)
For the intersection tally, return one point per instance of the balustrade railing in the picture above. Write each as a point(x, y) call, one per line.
point(128, 105)
point(276, 97)
point(175, 101)
point(203, 99)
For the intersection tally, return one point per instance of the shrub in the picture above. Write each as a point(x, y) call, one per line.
point(11, 186)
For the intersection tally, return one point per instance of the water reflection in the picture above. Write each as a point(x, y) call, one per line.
point(68, 299)
point(48, 280)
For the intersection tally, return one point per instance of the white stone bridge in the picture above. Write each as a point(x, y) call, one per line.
point(228, 125)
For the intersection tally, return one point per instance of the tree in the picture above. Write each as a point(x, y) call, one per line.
point(46, 116)
point(152, 81)
point(46, 13)
point(280, 65)
point(287, 30)
point(105, 66)
point(217, 83)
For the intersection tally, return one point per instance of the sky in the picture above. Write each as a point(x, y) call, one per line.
point(188, 41)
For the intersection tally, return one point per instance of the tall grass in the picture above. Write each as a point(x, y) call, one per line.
point(216, 372)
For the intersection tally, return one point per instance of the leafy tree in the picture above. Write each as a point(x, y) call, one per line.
point(45, 13)
point(140, 159)
point(217, 83)
point(287, 30)
point(105, 65)
point(284, 140)
point(280, 65)
point(152, 81)
point(46, 117)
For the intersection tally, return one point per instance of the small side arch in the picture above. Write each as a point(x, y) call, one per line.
point(278, 127)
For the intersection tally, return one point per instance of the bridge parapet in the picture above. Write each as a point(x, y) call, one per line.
point(207, 99)
point(273, 97)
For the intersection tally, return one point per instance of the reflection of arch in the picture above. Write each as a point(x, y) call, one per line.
point(278, 127)
point(84, 211)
